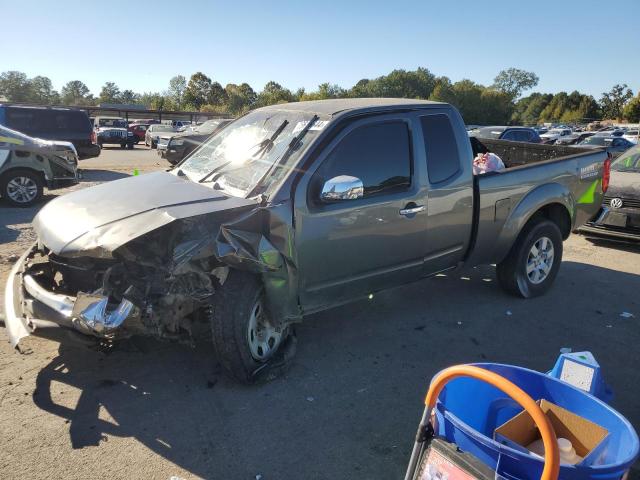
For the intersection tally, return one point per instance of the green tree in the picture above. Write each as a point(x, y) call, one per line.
point(42, 91)
point(15, 86)
point(614, 100)
point(399, 83)
point(129, 97)
point(274, 93)
point(177, 87)
point(198, 90)
point(76, 93)
point(217, 95)
point(514, 81)
point(324, 92)
point(632, 109)
point(240, 98)
point(443, 91)
point(110, 93)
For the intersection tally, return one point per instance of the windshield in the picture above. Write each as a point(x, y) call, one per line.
point(594, 140)
point(112, 122)
point(554, 132)
point(240, 157)
point(629, 161)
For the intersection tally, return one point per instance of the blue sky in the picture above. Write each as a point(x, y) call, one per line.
point(586, 45)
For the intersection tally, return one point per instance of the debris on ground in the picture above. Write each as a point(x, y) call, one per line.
point(627, 315)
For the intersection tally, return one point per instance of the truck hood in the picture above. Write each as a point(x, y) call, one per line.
point(97, 220)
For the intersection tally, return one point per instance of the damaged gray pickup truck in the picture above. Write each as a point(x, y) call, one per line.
point(292, 209)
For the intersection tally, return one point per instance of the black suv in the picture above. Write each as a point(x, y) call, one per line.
point(53, 123)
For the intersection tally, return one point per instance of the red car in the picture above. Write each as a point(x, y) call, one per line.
point(139, 130)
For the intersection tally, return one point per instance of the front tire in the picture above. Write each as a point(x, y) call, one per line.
point(21, 187)
point(247, 343)
point(534, 260)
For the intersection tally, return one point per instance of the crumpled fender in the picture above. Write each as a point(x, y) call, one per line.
point(261, 241)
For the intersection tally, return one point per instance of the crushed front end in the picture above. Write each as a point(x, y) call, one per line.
point(156, 285)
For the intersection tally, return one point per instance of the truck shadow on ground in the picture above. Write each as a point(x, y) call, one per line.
point(352, 398)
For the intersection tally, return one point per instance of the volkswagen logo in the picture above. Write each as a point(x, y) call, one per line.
point(615, 202)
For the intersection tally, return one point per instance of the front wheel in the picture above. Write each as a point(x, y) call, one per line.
point(534, 260)
point(247, 343)
point(21, 187)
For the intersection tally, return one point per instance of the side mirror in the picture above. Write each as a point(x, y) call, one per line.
point(342, 187)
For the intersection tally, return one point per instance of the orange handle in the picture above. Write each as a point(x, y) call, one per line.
point(551, 468)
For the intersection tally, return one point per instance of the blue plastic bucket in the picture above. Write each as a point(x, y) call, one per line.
point(469, 410)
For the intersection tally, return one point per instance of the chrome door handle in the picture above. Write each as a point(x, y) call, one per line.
point(412, 210)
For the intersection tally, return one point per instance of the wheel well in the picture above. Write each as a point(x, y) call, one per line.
point(558, 214)
point(12, 170)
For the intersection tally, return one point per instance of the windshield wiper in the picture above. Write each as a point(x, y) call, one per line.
point(293, 145)
point(213, 172)
point(264, 146)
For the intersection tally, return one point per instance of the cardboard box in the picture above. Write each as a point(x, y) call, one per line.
point(588, 438)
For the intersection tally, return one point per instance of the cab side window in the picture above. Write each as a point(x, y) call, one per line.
point(443, 158)
point(378, 154)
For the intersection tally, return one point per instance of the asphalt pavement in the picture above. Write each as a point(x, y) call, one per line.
point(350, 403)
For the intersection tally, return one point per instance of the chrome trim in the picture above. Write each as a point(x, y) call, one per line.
point(412, 211)
point(63, 304)
point(15, 325)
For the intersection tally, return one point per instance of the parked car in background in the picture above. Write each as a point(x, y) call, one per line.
point(53, 123)
point(619, 216)
point(29, 164)
point(631, 135)
point(144, 121)
point(294, 209)
point(115, 131)
point(515, 134)
point(180, 125)
point(176, 147)
point(139, 130)
point(613, 145)
point(554, 134)
point(573, 138)
point(153, 133)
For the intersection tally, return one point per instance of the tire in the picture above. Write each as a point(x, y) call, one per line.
point(100, 145)
point(21, 187)
point(232, 309)
point(154, 144)
point(522, 273)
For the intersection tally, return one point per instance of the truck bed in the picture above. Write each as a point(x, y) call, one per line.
point(535, 174)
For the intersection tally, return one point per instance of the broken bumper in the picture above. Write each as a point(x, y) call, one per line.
point(30, 306)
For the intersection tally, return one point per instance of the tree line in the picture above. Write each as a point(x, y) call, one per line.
point(499, 103)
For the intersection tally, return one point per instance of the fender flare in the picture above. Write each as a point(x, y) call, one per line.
point(529, 205)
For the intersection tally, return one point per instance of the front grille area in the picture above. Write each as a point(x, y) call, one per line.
point(626, 202)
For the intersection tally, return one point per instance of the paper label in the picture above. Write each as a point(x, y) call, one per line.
point(576, 374)
point(317, 125)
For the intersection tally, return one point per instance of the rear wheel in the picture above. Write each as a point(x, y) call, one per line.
point(534, 260)
point(248, 344)
point(21, 187)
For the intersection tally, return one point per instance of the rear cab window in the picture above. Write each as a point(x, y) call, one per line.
point(379, 154)
point(441, 148)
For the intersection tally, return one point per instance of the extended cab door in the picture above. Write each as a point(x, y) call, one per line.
point(349, 248)
point(450, 198)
